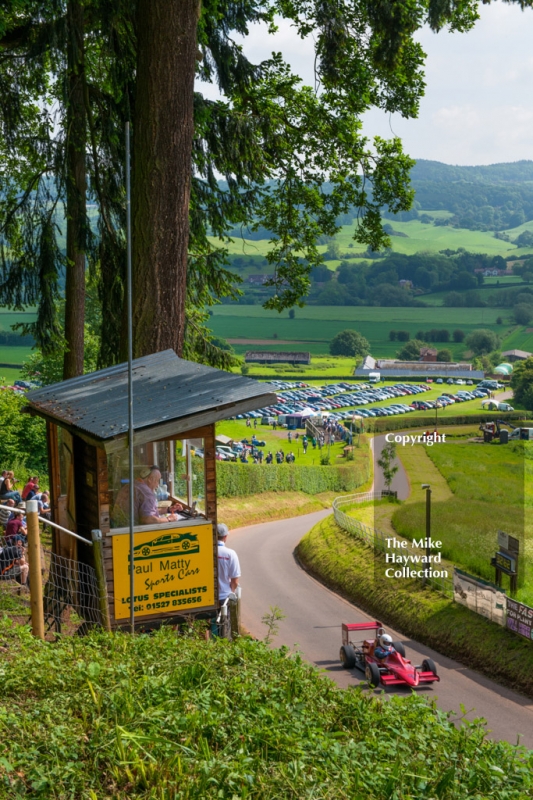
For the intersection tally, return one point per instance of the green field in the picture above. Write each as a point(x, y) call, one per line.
point(315, 326)
point(420, 237)
point(492, 490)
point(9, 318)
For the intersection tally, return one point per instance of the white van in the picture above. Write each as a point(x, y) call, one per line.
point(374, 377)
point(525, 434)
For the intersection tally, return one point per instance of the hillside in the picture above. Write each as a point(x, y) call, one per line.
point(485, 198)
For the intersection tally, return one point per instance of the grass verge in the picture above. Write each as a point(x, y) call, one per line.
point(174, 716)
point(237, 512)
point(346, 565)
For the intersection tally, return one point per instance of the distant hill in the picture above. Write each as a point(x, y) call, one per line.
point(485, 198)
point(514, 172)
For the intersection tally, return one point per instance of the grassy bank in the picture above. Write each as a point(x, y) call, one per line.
point(240, 511)
point(346, 565)
point(492, 490)
point(164, 716)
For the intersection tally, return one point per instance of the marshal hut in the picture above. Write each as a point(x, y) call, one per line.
point(176, 404)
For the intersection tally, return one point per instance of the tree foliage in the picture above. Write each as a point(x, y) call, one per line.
point(410, 351)
point(349, 343)
point(276, 143)
point(386, 463)
point(522, 383)
point(482, 341)
point(23, 440)
point(523, 313)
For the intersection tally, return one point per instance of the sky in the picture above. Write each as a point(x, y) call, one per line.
point(478, 106)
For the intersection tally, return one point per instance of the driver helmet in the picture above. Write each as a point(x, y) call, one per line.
point(385, 640)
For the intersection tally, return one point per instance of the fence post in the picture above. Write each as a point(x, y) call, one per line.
point(99, 568)
point(34, 560)
point(234, 617)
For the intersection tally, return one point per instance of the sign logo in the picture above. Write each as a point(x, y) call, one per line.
point(167, 545)
point(174, 571)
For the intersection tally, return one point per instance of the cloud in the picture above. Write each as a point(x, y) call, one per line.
point(478, 106)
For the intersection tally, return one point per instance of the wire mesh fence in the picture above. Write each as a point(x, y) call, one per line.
point(376, 538)
point(71, 595)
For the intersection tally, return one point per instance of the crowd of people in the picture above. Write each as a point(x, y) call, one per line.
point(13, 530)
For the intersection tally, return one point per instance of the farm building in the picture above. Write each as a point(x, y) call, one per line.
point(516, 355)
point(428, 354)
point(391, 368)
point(273, 357)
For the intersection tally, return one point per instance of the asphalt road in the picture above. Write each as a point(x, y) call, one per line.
point(271, 577)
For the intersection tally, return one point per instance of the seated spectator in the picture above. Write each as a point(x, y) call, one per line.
point(145, 509)
point(6, 512)
point(7, 489)
point(34, 491)
point(43, 504)
point(16, 528)
point(3, 475)
point(30, 487)
point(13, 564)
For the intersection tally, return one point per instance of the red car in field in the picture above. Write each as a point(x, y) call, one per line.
point(395, 669)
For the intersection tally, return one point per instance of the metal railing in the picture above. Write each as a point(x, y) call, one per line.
point(69, 595)
point(376, 538)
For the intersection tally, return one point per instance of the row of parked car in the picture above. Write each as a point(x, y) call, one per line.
point(337, 397)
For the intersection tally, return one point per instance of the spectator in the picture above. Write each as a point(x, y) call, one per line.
point(30, 487)
point(43, 505)
point(269, 458)
point(16, 528)
point(255, 422)
point(32, 493)
point(2, 476)
point(7, 489)
point(229, 569)
point(13, 564)
point(289, 437)
point(5, 513)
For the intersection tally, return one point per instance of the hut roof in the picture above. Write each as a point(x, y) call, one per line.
point(170, 396)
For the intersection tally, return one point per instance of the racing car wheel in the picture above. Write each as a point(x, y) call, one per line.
point(372, 675)
point(347, 656)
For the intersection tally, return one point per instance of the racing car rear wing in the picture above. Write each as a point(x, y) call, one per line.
point(350, 627)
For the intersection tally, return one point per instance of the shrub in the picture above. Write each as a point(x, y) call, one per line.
point(459, 335)
point(23, 439)
point(523, 313)
point(175, 716)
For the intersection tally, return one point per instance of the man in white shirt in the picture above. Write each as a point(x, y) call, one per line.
point(229, 569)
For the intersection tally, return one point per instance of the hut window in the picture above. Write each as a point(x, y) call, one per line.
point(181, 468)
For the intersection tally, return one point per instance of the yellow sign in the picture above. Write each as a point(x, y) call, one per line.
point(174, 571)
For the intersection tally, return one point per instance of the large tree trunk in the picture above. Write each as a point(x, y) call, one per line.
point(162, 158)
point(76, 194)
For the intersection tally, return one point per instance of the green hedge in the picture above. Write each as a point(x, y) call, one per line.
point(235, 480)
point(414, 421)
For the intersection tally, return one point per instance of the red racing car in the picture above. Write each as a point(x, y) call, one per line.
point(392, 669)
